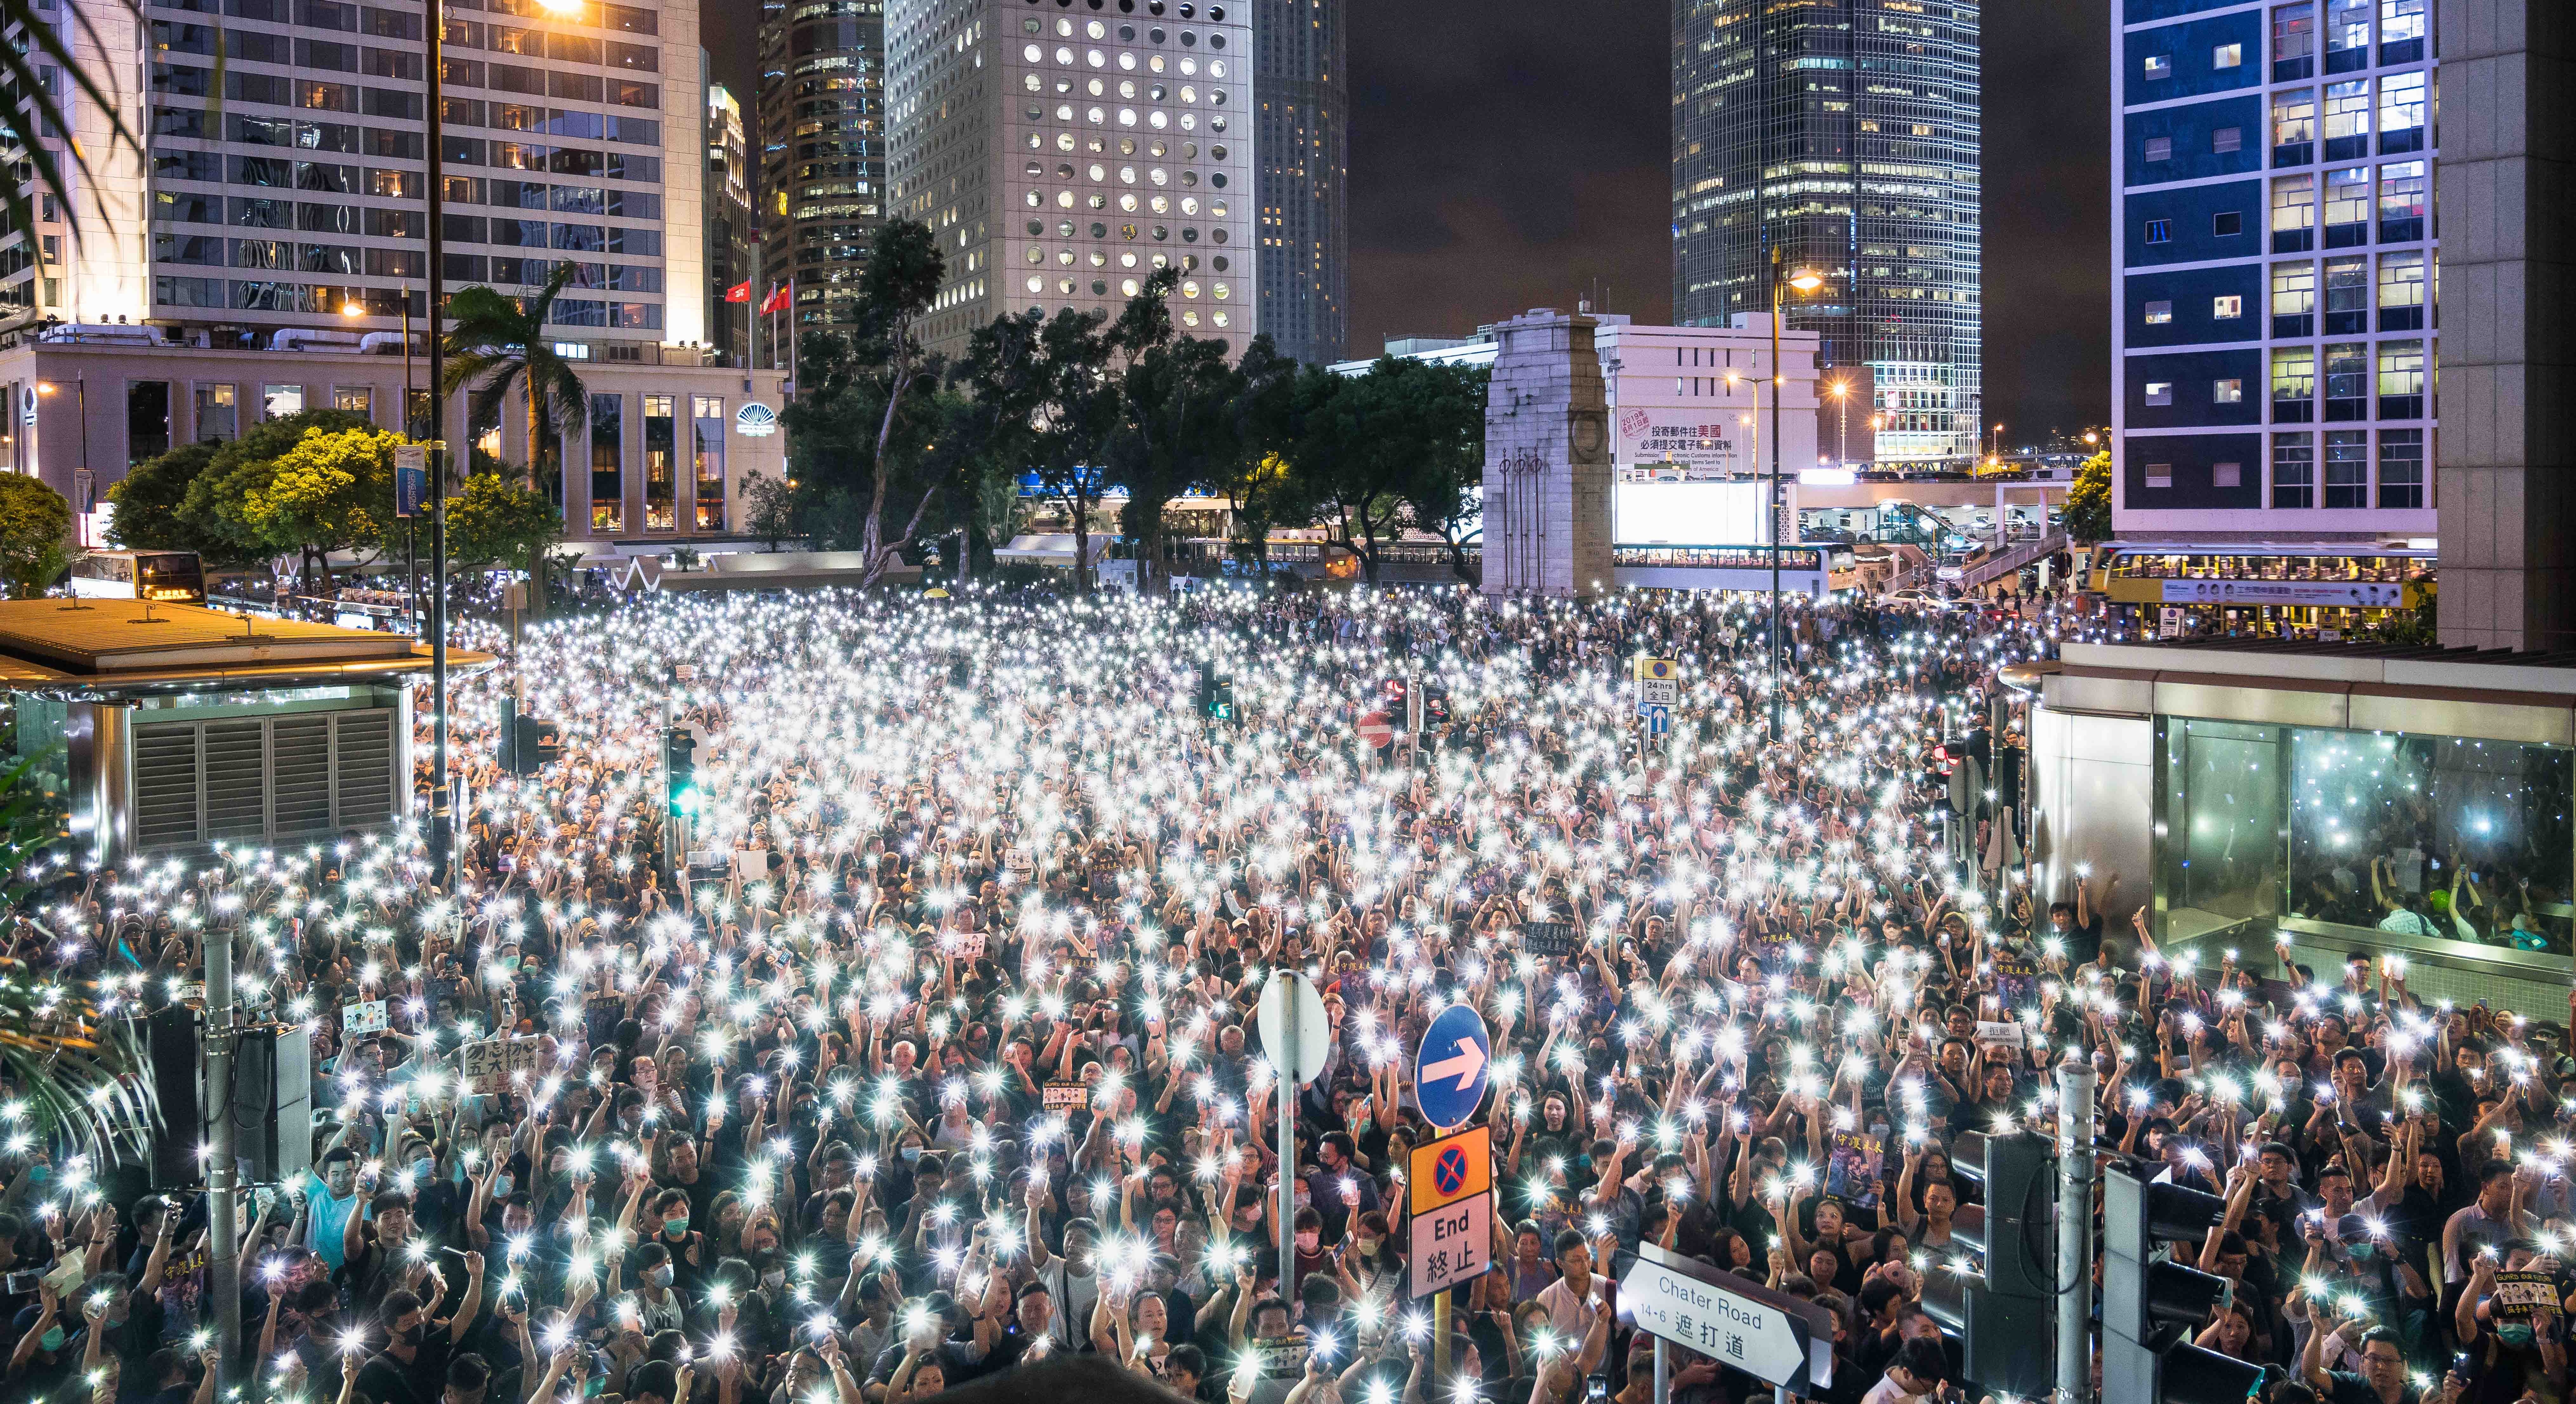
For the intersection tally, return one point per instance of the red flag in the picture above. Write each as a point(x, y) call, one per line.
point(776, 301)
point(739, 292)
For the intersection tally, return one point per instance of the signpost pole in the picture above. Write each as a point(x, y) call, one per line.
point(1663, 1372)
point(2075, 1090)
point(1440, 1337)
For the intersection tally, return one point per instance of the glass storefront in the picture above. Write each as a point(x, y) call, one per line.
point(2390, 840)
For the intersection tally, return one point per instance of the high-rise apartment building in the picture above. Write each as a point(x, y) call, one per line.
point(1842, 138)
point(259, 252)
point(1064, 152)
point(1300, 74)
point(823, 152)
point(733, 239)
point(2275, 333)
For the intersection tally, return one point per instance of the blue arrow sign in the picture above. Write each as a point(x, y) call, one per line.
point(1659, 718)
point(1449, 1068)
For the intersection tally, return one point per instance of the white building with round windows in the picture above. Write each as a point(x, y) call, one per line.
point(1065, 150)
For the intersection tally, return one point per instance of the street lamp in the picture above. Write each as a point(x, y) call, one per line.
point(1842, 418)
point(1805, 281)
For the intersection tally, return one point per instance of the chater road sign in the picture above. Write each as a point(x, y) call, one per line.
point(1767, 1334)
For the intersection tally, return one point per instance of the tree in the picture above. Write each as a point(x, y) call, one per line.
point(497, 519)
point(218, 504)
point(902, 277)
point(35, 524)
point(1249, 473)
point(1387, 448)
point(2088, 500)
point(1447, 412)
point(868, 415)
point(148, 501)
point(333, 491)
point(1175, 418)
point(771, 507)
point(498, 343)
point(1074, 411)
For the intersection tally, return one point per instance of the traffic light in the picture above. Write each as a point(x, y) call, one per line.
point(2151, 1307)
point(680, 768)
point(534, 745)
point(2005, 1316)
point(1216, 694)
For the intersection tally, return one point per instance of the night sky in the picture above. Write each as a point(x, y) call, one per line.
point(1509, 154)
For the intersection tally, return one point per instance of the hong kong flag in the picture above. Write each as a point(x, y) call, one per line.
point(739, 292)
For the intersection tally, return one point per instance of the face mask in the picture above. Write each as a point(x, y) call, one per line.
point(1306, 1242)
point(51, 1340)
point(2516, 1336)
point(423, 1167)
point(677, 1226)
point(911, 1154)
point(660, 1276)
point(39, 1174)
point(501, 1186)
point(412, 1337)
point(2361, 1252)
point(774, 1279)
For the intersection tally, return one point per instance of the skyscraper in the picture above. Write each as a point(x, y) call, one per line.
point(733, 241)
point(259, 254)
point(1064, 152)
point(823, 152)
point(1299, 51)
point(1843, 136)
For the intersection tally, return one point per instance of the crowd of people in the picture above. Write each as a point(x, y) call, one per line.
point(935, 1055)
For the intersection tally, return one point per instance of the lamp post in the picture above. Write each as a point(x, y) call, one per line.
point(1805, 281)
point(442, 843)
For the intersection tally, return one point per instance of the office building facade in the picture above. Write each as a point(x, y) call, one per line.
point(1841, 139)
point(1062, 153)
point(821, 113)
point(260, 251)
point(1300, 73)
point(2275, 334)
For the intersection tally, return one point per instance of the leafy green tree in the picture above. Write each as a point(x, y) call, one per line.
point(770, 505)
point(1447, 413)
point(866, 426)
point(148, 499)
point(497, 519)
point(1387, 449)
point(2088, 500)
point(218, 504)
point(1176, 422)
point(35, 525)
point(868, 413)
point(333, 491)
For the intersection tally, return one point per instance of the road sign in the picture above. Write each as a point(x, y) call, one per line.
point(1375, 731)
point(1305, 1062)
point(1442, 1172)
point(1658, 681)
point(1449, 1068)
point(1659, 718)
point(1772, 1336)
point(1453, 1244)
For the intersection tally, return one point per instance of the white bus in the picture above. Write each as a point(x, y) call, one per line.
point(170, 576)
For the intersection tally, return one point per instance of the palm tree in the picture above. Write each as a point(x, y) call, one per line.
point(498, 344)
point(500, 341)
